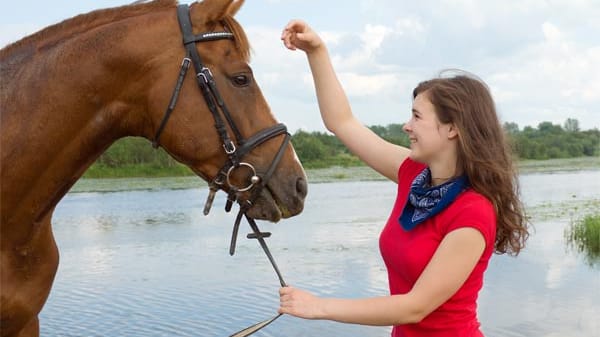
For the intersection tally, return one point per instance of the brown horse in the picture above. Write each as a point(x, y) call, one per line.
point(71, 90)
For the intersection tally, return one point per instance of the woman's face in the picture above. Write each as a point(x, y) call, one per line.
point(429, 138)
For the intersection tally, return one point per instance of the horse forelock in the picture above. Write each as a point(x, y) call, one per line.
point(213, 13)
point(85, 22)
point(241, 40)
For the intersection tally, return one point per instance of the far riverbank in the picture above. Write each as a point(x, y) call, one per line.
point(337, 173)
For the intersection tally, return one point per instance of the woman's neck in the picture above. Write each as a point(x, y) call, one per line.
point(443, 172)
point(439, 181)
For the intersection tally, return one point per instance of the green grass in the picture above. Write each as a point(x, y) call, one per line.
point(584, 235)
point(339, 163)
point(557, 165)
point(339, 160)
point(97, 171)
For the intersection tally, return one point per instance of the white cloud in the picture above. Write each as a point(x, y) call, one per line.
point(555, 68)
point(367, 85)
point(331, 38)
point(410, 26)
point(372, 37)
point(551, 33)
point(474, 12)
point(547, 82)
point(540, 57)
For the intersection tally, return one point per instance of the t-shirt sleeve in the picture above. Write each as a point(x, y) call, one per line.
point(409, 169)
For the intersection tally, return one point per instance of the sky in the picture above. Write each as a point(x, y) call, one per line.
point(541, 58)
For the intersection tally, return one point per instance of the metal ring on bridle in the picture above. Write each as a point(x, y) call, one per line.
point(253, 180)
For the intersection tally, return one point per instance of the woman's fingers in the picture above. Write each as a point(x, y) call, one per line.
point(285, 299)
point(297, 26)
point(298, 35)
point(298, 302)
point(292, 28)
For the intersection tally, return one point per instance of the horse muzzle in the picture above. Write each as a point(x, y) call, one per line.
point(282, 197)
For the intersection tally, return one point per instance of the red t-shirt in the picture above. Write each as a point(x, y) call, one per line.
point(407, 253)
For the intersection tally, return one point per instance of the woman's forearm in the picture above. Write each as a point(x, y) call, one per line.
point(333, 103)
point(377, 311)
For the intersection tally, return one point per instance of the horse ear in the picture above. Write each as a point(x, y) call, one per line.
point(234, 7)
point(215, 10)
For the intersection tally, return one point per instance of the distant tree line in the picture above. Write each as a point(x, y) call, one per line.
point(319, 149)
point(549, 140)
point(135, 151)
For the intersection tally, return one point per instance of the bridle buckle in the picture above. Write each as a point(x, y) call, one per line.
point(206, 74)
point(229, 147)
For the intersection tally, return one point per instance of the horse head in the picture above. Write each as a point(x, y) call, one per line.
point(220, 124)
point(71, 90)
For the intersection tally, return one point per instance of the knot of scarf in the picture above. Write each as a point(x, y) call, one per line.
point(425, 201)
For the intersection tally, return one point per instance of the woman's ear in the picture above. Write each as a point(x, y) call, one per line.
point(452, 131)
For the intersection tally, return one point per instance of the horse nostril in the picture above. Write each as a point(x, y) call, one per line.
point(301, 187)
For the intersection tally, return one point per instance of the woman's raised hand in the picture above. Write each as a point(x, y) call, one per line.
point(298, 35)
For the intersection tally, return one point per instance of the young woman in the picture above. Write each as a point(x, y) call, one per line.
point(457, 202)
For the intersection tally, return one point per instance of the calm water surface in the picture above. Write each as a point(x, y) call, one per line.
point(149, 263)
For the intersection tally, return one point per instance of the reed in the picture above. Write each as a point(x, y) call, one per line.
point(584, 236)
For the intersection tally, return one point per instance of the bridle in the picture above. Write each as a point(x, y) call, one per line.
point(234, 151)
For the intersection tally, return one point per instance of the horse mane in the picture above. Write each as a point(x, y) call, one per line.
point(85, 22)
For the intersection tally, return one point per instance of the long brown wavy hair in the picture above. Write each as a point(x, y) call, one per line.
point(484, 153)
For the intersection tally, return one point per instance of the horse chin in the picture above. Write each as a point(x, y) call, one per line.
point(266, 207)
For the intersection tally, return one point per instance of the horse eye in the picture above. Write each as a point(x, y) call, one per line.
point(240, 80)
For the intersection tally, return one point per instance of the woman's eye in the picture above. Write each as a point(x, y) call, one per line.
point(240, 80)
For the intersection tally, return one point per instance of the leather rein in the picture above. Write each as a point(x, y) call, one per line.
point(235, 151)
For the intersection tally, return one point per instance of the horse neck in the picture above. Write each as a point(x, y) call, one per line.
point(74, 99)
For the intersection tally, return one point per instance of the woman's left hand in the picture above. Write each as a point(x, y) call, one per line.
point(299, 303)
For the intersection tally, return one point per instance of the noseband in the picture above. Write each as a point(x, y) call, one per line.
point(234, 151)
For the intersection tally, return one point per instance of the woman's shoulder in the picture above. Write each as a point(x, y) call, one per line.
point(471, 202)
point(471, 209)
point(474, 198)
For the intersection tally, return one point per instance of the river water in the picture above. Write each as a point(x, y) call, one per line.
point(149, 263)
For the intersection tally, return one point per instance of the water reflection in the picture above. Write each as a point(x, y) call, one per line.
point(148, 263)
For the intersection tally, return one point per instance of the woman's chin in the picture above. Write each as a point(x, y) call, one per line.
point(414, 155)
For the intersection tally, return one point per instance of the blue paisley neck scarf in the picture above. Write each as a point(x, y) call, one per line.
point(425, 201)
